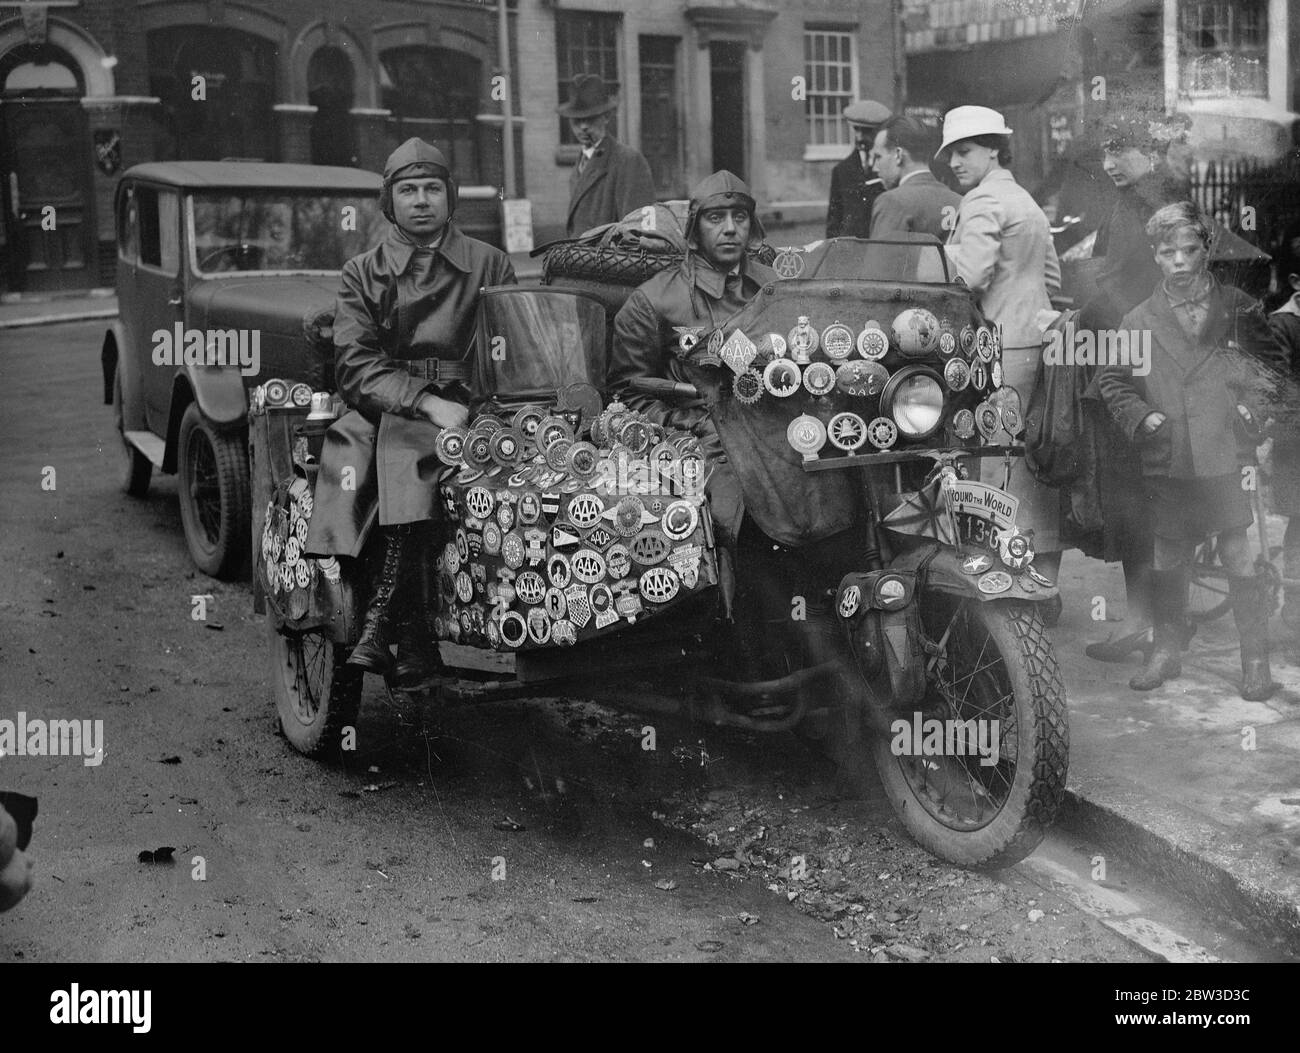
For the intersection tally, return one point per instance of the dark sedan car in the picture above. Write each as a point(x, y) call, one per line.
point(218, 264)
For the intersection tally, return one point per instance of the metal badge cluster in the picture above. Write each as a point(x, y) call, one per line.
point(806, 365)
point(570, 529)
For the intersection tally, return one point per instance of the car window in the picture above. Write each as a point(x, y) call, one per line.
point(128, 226)
point(158, 212)
point(268, 230)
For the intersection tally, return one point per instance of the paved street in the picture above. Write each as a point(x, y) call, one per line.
point(600, 851)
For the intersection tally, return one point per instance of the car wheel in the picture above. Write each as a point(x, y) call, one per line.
point(135, 469)
point(212, 480)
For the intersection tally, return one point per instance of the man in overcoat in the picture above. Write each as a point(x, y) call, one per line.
point(854, 183)
point(914, 200)
point(611, 178)
point(403, 337)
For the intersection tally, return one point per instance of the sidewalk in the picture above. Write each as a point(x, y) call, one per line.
point(20, 310)
point(1189, 780)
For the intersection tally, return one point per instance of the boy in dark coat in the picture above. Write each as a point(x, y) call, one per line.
point(1285, 488)
point(1194, 419)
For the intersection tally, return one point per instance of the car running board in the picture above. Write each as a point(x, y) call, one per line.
point(148, 444)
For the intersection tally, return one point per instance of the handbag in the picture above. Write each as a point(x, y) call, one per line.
point(1055, 450)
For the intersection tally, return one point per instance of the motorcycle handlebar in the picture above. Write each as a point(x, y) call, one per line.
point(664, 389)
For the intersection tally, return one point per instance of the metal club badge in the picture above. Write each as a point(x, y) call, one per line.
point(530, 587)
point(579, 606)
point(539, 626)
point(979, 376)
point(649, 548)
point(748, 387)
point(963, 424)
point(994, 582)
point(582, 459)
point(984, 343)
point(850, 600)
point(687, 337)
point(627, 602)
point(679, 520)
point(685, 561)
point(479, 501)
point(882, 433)
point(847, 432)
point(618, 561)
point(1039, 576)
point(819, 379)
point(602, 605)
point(806, 435)
point(1015, 550)
point(558, 570)
point(659, 584)
point(956, 374)
point(872, 342)
point(588, 566)
point(450, 446)
point(491, 538)
point(738, 351)
point(782, 377)
point(774, 343)
point(837, 341)
point(585, 510)
point(802, 341)
point(512, 550)
point(987, 419)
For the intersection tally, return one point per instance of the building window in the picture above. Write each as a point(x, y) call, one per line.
point(586, 43)
point(830, 69)
point(1223, 48)
point(433, 94)
point(329, 89)
point(661, 124)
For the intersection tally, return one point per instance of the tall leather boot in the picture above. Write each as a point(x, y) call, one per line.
point(371, 652)
point(1168, 594)
point(418, 659)
point(1250, 612)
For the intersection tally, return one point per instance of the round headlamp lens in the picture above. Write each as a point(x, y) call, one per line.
point(916, 403)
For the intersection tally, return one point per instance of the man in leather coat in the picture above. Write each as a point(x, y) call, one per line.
point(403, 336)
point(662, 319)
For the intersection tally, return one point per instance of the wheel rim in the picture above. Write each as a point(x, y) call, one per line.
point(204, 486)
point(967, 680)
point(308, 673)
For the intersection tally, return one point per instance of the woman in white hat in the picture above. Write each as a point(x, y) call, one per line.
point(1002, 248)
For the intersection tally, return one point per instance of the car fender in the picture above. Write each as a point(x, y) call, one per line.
point(941, 567)
point(219, 391)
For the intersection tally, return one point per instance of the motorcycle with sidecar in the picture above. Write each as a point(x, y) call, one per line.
point(877, 597)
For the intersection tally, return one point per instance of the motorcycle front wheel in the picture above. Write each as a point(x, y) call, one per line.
point(989, 802)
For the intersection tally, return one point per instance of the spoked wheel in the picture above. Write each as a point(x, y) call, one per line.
point(1207, 594)
point(136, 469)
point(317, 694)
point(995, 672)
point(212, 479)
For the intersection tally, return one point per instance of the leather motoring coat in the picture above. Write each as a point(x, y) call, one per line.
point(396, 302)
point(616, 180)
point(854, 190)
point(1196, 384)
point(691, 294)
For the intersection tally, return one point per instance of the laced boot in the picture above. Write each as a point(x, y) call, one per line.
point(371, 651)
point(1251, 615)
point(1169, 589)
point(418, 660)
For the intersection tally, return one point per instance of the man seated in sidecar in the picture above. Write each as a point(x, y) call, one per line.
point(403, 332)
point(664, 318)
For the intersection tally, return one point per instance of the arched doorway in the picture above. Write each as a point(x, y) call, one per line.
point(217, 88)
point(329, 89)
point(433, 93)
point(49, 223)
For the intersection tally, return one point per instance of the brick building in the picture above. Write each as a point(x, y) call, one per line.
point(91, 87)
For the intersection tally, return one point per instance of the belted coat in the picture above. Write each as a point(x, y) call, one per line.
point(397, 302)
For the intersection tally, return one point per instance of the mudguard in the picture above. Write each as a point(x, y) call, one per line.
point(219, 391)
point(942, 571)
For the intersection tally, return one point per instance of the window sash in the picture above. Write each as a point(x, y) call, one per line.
point(830, 71)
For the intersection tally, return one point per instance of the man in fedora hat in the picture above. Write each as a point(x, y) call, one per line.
point(854, 183)
point(403, 334)
point(610, 179)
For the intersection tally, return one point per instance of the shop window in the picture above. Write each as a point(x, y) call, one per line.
point(586, 42)
point(128, 227)
point(433, 93)
point(830, 71)
point(1223, 48)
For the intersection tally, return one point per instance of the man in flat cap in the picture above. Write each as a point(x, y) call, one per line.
point(610, 179)
point(403, 341)
point(660, 321)
point(854, 183)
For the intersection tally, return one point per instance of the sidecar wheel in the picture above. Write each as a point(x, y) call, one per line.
point(317, 694)
point(997, 664)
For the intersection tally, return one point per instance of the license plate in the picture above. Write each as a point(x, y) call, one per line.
point(978, 530)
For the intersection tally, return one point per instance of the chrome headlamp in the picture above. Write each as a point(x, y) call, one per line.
point(913, 399)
